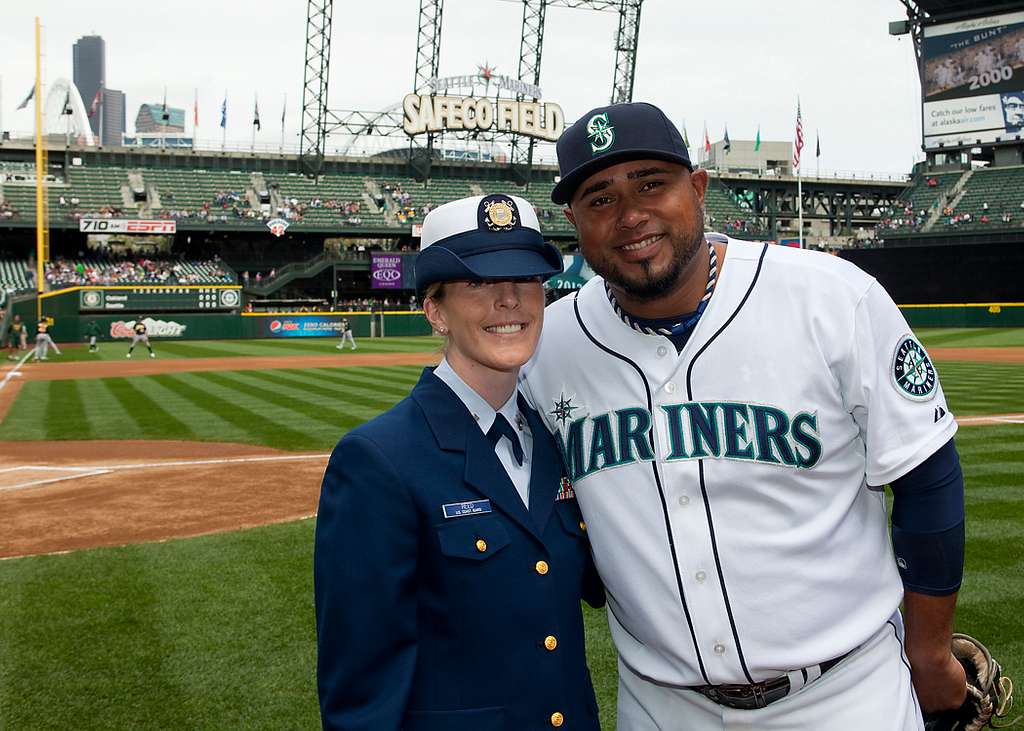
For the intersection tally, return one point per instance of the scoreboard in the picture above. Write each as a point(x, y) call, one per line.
point(153, 298)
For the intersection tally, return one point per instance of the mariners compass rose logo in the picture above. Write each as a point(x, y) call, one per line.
point(563, 409)
point(600, 132)
point(912, 371)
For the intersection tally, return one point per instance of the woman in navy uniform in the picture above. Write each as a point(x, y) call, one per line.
point(450, 553)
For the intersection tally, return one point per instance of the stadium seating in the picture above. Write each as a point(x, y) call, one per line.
point(70, 272)
point(14, 275)
point(984, 199)
point(990, 197)
point(916, 203)
point(725, 214)
point(338, 201)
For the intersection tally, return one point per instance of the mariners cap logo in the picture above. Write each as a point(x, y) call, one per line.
point(912, 371)
point(500, 215)
point(600, 132)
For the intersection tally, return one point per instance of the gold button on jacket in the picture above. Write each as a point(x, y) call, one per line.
point(481, 545)
point(557, 719)
point(541, 567)
point(550, 643)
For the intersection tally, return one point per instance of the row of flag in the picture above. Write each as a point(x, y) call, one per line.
point(256, 122)
point(798, 139)
point(97, 102)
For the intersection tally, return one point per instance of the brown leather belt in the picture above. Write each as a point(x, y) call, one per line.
point(757, 695)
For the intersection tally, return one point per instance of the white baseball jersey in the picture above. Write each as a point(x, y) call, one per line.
point(725, 488)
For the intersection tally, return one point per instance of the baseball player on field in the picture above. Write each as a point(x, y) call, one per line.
point(346, 335)
point(92, 331)
point(15, 331)
point(139, 336)
point(729, 413)
point(43, 340)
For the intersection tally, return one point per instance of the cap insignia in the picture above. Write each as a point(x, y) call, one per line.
point(500, 215)
point(600, 132)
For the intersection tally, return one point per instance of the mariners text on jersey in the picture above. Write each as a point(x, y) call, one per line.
point(696, 430)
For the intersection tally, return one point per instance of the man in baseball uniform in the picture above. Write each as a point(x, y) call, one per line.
point(729, 413)
point(15, 332)
point(92, 331)
point(139, 336)
point(346, 335)
point(43, 340)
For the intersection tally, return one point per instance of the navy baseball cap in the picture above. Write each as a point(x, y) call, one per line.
point(609, 135)
point(483, 237)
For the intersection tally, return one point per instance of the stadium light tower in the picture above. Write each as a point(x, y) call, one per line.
point(314, 86)
point(428, 60)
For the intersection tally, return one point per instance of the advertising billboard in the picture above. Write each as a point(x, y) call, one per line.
point(385, 271)
point(126, 226)
point(973, 81)
point(302, 326)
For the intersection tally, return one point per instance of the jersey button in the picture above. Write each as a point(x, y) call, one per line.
point(541, 567)
point(700, 576)
point(719, 648)
point(670, 387)
point(662, 350)
point(684, 500)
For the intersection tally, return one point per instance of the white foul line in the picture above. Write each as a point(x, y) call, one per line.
point(106, 469)
point(14, 370)
point(992, 419)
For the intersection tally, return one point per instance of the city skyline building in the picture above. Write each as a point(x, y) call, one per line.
point(89, 63)
point(150, 120)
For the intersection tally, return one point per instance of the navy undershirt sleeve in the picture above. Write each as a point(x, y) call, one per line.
point(928, 524)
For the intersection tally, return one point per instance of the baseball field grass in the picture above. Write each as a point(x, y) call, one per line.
point(283, 347)
point(217, 631)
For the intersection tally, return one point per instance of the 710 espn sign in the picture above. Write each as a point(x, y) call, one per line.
point(126, 226)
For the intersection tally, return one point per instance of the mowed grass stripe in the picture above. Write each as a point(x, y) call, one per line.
point(111, 601)
point(257, 427)
point(26, 418)
point(299, 408)
point(151, 419)
point(364, 380)
point(982, 388)
point(974, 337)
point(65, 413)
point(343, 401)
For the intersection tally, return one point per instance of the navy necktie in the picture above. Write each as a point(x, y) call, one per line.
point(501, 428)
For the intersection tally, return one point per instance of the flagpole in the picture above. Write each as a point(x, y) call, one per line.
point(817, 155)
point(256, 107)
point(224, 122)
point(284, 108)
point(800, 202)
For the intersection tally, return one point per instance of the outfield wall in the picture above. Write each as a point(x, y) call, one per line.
point(69, 323)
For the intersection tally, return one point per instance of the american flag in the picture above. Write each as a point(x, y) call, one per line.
point(798, 144)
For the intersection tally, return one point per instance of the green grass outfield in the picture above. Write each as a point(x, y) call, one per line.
point(281, 347)
point(217, 632)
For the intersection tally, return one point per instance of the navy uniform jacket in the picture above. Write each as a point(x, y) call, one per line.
point(450, 624)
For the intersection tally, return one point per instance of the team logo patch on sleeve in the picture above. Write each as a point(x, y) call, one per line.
point(565, 491)
point(912, 371)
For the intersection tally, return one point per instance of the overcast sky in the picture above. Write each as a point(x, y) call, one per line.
point(735, 62)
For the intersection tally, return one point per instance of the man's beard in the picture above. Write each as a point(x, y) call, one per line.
point(650, 286)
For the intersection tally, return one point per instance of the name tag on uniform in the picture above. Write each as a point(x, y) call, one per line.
point(473, 507)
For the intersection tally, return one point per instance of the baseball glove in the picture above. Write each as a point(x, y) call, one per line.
point(989, 692)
